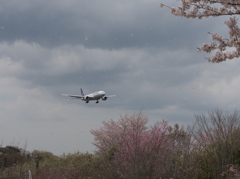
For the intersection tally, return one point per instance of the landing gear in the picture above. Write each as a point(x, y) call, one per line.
point(97, 101)
point(87, 101)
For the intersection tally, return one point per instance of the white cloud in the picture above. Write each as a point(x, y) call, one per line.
point(9, 67)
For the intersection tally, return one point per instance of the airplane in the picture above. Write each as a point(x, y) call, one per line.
point(90, 97)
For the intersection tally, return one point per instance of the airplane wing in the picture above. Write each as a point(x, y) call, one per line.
point(110, 96)
point(73, 96)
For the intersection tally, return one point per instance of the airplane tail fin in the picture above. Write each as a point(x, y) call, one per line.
point(82, 92)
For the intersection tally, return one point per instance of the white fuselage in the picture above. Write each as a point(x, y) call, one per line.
point(94, 96)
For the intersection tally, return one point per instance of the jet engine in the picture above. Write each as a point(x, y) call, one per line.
point(104, 98)
point(86, 97)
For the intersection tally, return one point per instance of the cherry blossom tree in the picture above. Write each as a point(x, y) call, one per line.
point(130, 149)
point(223, 48)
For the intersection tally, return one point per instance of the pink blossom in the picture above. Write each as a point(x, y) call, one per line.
point(205, 8)
point(138, 150)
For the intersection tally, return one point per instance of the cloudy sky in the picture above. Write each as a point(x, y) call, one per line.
point(131, 48)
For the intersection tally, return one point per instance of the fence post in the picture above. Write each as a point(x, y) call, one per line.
point(29, 174)
point(37, 162)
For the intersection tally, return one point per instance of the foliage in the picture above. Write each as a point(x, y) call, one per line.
point(75, 165)
point(12, 160)
point(130, 149)
point(42, 155)
point(232, 172)
point(10, 156)
point(224, 48)
point(217, 142)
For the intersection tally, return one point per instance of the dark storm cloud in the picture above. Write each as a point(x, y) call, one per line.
point(88, 78)
point(95, 24)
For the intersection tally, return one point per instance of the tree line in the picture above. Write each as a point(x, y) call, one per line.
point(130, 148)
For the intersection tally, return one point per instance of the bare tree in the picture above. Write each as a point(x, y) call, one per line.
point(217, 139)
